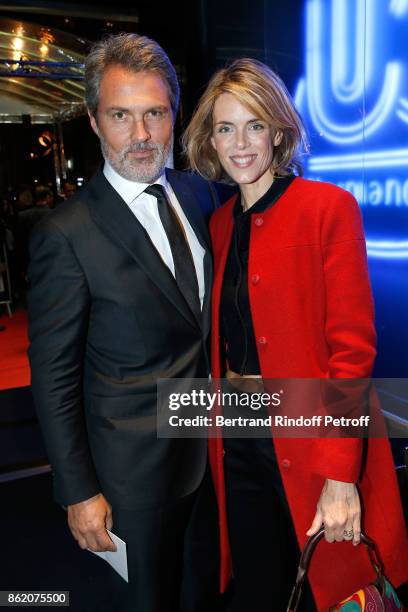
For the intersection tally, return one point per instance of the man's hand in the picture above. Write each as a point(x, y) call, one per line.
point(339, 510)
point(89, 520)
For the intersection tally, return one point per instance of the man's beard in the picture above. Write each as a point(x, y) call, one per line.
point(139, 170)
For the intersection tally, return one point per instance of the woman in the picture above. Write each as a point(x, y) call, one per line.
point(292, 299)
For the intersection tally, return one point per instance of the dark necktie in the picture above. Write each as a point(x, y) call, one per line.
point(185, 272)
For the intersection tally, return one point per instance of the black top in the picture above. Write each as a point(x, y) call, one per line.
point(237, 332)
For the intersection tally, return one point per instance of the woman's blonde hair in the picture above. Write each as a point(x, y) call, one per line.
point(261, 90)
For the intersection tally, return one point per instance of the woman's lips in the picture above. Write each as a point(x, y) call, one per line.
point(243, 161)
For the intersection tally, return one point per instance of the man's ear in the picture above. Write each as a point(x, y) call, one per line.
point(92, 121)
point(277, 138)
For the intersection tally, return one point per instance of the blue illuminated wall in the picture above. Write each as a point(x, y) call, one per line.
point(353, 97)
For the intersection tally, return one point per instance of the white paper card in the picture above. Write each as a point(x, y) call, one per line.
point(117, 560)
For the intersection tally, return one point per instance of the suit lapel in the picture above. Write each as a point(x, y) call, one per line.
point(190, 204)
point(114, 217)
point(208, 279)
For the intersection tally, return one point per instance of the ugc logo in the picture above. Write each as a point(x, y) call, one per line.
point(354, 99)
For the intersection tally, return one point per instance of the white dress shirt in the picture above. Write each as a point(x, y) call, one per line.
point(144, 207)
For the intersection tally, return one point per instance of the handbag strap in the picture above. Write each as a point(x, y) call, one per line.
point(306, 558)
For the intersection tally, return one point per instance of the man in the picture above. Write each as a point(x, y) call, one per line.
point(69, 188)
point(120, 281)
point(44, 200)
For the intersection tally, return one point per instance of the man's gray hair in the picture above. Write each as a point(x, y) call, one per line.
point(134, 53)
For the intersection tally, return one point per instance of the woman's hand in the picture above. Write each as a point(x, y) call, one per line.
point(339, 510)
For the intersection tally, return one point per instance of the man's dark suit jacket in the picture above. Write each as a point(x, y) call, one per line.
point(27, 219)
point(106, 319)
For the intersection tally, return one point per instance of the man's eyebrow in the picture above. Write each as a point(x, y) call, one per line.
point(160, 107)
point(123, 109)
point(117, 108)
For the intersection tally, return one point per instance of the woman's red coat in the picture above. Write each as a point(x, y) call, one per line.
point(312, 309)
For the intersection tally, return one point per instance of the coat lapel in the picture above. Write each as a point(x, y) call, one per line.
point(113, 216)
point(222, 241)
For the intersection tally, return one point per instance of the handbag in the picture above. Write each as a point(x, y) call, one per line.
point(379, 596)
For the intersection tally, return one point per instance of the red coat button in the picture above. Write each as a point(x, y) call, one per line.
point(285, 463)
point(262, 340)
point(255, 279)
point(258, 221)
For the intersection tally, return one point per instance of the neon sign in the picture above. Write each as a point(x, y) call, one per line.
point(354, 99)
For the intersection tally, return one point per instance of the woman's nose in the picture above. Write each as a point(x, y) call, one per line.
point(241, 139)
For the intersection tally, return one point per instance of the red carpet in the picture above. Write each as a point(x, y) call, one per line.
point(14, 367)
